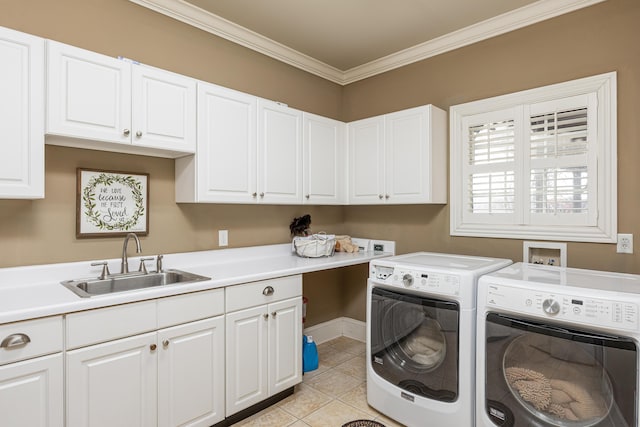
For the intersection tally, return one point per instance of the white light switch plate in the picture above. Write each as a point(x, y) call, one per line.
point(223, 237)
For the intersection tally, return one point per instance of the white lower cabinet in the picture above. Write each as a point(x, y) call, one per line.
point(31, 393)
point(263, 340)
point(113, 384)
point(172, 376)
point(31, 373)
point(191, 374)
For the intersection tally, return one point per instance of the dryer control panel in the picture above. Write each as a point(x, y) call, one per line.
point(564, 307)
point(419, 280)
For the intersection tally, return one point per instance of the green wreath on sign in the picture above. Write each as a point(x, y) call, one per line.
point(89, 201)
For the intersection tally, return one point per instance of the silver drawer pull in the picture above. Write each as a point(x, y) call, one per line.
point(15, 340)
point(268, 291)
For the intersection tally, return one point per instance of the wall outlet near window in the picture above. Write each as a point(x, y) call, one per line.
point(625, 243)
point(545, 253)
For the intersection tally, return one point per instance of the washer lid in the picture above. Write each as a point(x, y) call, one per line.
point(450, 262)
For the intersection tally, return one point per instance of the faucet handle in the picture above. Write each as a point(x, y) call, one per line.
point(159, 263)
point(105, 269)
point(143, 266)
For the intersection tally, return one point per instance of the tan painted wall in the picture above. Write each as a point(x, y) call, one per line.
point(598, 39)
point(43, 231)
point(590, 41)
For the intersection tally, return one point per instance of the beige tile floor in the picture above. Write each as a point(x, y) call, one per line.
point(330, 396)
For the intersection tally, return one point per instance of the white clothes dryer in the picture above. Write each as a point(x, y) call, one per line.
point(421, 311)
point(557, 347)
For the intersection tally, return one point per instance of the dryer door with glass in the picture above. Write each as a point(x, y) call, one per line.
point(541, 374)
point(414, 343)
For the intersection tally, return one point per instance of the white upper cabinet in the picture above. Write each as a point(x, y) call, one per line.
point(324, 152)
point(224, 169)
point(89, 95)
point(101, 100)
point(249, 151)
point(22, 112)
point(279, 153)
point(366, 161)
point(399, 158)
point(164, 109)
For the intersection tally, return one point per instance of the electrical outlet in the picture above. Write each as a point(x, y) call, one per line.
point(223, 237)
point(625, 244)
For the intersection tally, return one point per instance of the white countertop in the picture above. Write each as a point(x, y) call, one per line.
point(35, 291)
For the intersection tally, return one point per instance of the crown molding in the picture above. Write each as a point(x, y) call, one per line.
point(510, 21)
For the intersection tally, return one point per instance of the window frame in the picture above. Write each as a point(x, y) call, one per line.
point(604, 229)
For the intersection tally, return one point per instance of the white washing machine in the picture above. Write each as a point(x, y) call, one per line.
point(421, 311)
point(557, 347)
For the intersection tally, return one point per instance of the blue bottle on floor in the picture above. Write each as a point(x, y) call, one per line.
point(309, 354)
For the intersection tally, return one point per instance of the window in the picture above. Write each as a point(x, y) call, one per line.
point(537, 164)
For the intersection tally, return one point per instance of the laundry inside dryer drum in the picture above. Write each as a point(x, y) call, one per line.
point(424, 347)
point(559, 382)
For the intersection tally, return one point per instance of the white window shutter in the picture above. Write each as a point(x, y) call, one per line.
point(490, 167)
point(537, 164)
point(561, 136)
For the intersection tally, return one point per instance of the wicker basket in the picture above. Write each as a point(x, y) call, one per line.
point(314, 246)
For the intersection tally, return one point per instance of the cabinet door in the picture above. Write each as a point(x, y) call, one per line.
point(22, 123)
point(415, 144)
point(279, 153)
point(191, 374)
point(324, 160)
point(407, 156)
point(366, 161)
point(31, 393)
point(226, 159)
point(285, 344)
point(113, 384)
point(164, 109)
point(89, 95)
point(246, 358)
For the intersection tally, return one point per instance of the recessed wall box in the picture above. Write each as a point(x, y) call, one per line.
point(545, 253)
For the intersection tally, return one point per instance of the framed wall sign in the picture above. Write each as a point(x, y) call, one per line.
point(111, 203)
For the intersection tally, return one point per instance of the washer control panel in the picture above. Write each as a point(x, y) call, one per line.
point(419, 280)
point(576, 309)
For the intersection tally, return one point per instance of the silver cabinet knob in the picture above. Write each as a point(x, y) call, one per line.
point(165, 343)
point(153, 347)
point(380, 196)
point(261, 194)
point(254, 194)
point(139, 134)
point(266, 316)
point(15, 340)
point(274, 314)
point(386, 196)
point(268, 291)
point(126, 132)
point(307, 196)
point(551, 307)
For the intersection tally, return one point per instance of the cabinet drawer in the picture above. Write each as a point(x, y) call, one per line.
point(31, 338)
point(104, 324)
point(252, 294)
point(187, 308)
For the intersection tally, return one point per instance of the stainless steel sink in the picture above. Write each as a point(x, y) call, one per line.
point(130, 282)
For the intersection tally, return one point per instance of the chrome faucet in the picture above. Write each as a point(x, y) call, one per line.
point(124, 266)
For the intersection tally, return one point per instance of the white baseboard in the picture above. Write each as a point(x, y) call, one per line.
point(342, 326)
